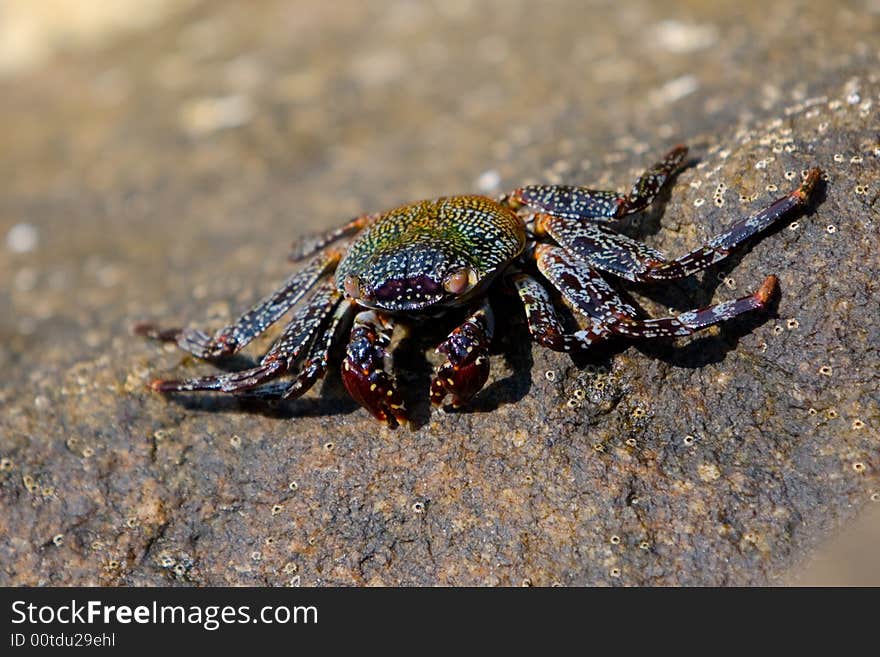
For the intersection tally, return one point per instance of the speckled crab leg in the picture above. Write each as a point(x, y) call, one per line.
point(314, 366)
point(590, 295)
point(311, 244)
point(296, 339)
point(366, 365)
point(610, 251)
point(317, 361)
point(255, 321)
point(572, 202)
point(466, 368)
point(544, 325)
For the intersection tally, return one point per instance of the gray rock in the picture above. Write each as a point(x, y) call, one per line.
point(164, 177)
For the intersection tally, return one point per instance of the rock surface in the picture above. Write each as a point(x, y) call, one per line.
point(163, 177)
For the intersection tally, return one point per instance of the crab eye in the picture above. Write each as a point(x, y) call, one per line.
point(460, 280)
point(352, 286)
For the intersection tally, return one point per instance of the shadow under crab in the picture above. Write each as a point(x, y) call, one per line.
point(436, 259)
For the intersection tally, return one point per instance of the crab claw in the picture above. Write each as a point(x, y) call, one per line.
point(375, 391)
point(467, 363)
point(364, 375)
point(461, 381)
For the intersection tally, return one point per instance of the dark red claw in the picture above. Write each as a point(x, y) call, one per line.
point(467, 361)
point(374, 391)
point(462, 382)
point(363, 371)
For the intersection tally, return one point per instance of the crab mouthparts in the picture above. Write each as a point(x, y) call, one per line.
point(408, 293)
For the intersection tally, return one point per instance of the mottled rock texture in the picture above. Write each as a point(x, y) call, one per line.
point(163, 177)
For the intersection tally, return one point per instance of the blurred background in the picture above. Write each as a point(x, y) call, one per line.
point(120, 118)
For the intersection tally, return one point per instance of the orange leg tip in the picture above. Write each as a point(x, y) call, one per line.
point(162, 385)
point(768, 287)
point(813, 176)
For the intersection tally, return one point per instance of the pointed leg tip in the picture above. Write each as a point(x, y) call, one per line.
point(153, 332)
point(679, 151)
point(142, 329)
point(812, 179)
point(160, 385)
point(767, 289)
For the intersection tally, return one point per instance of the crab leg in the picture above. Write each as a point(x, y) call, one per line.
point(571, 202)
point(255, 321)
point(314, 366)
point(610, 251)
point(590, 295)
point(297, 337)
point(364, 370)
point(303, 247)
point(545, 326)
point(466, 368)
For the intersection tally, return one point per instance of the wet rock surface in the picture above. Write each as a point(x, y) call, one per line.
point(163, 178)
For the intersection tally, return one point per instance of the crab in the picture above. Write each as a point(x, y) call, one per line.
point(440, 258)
